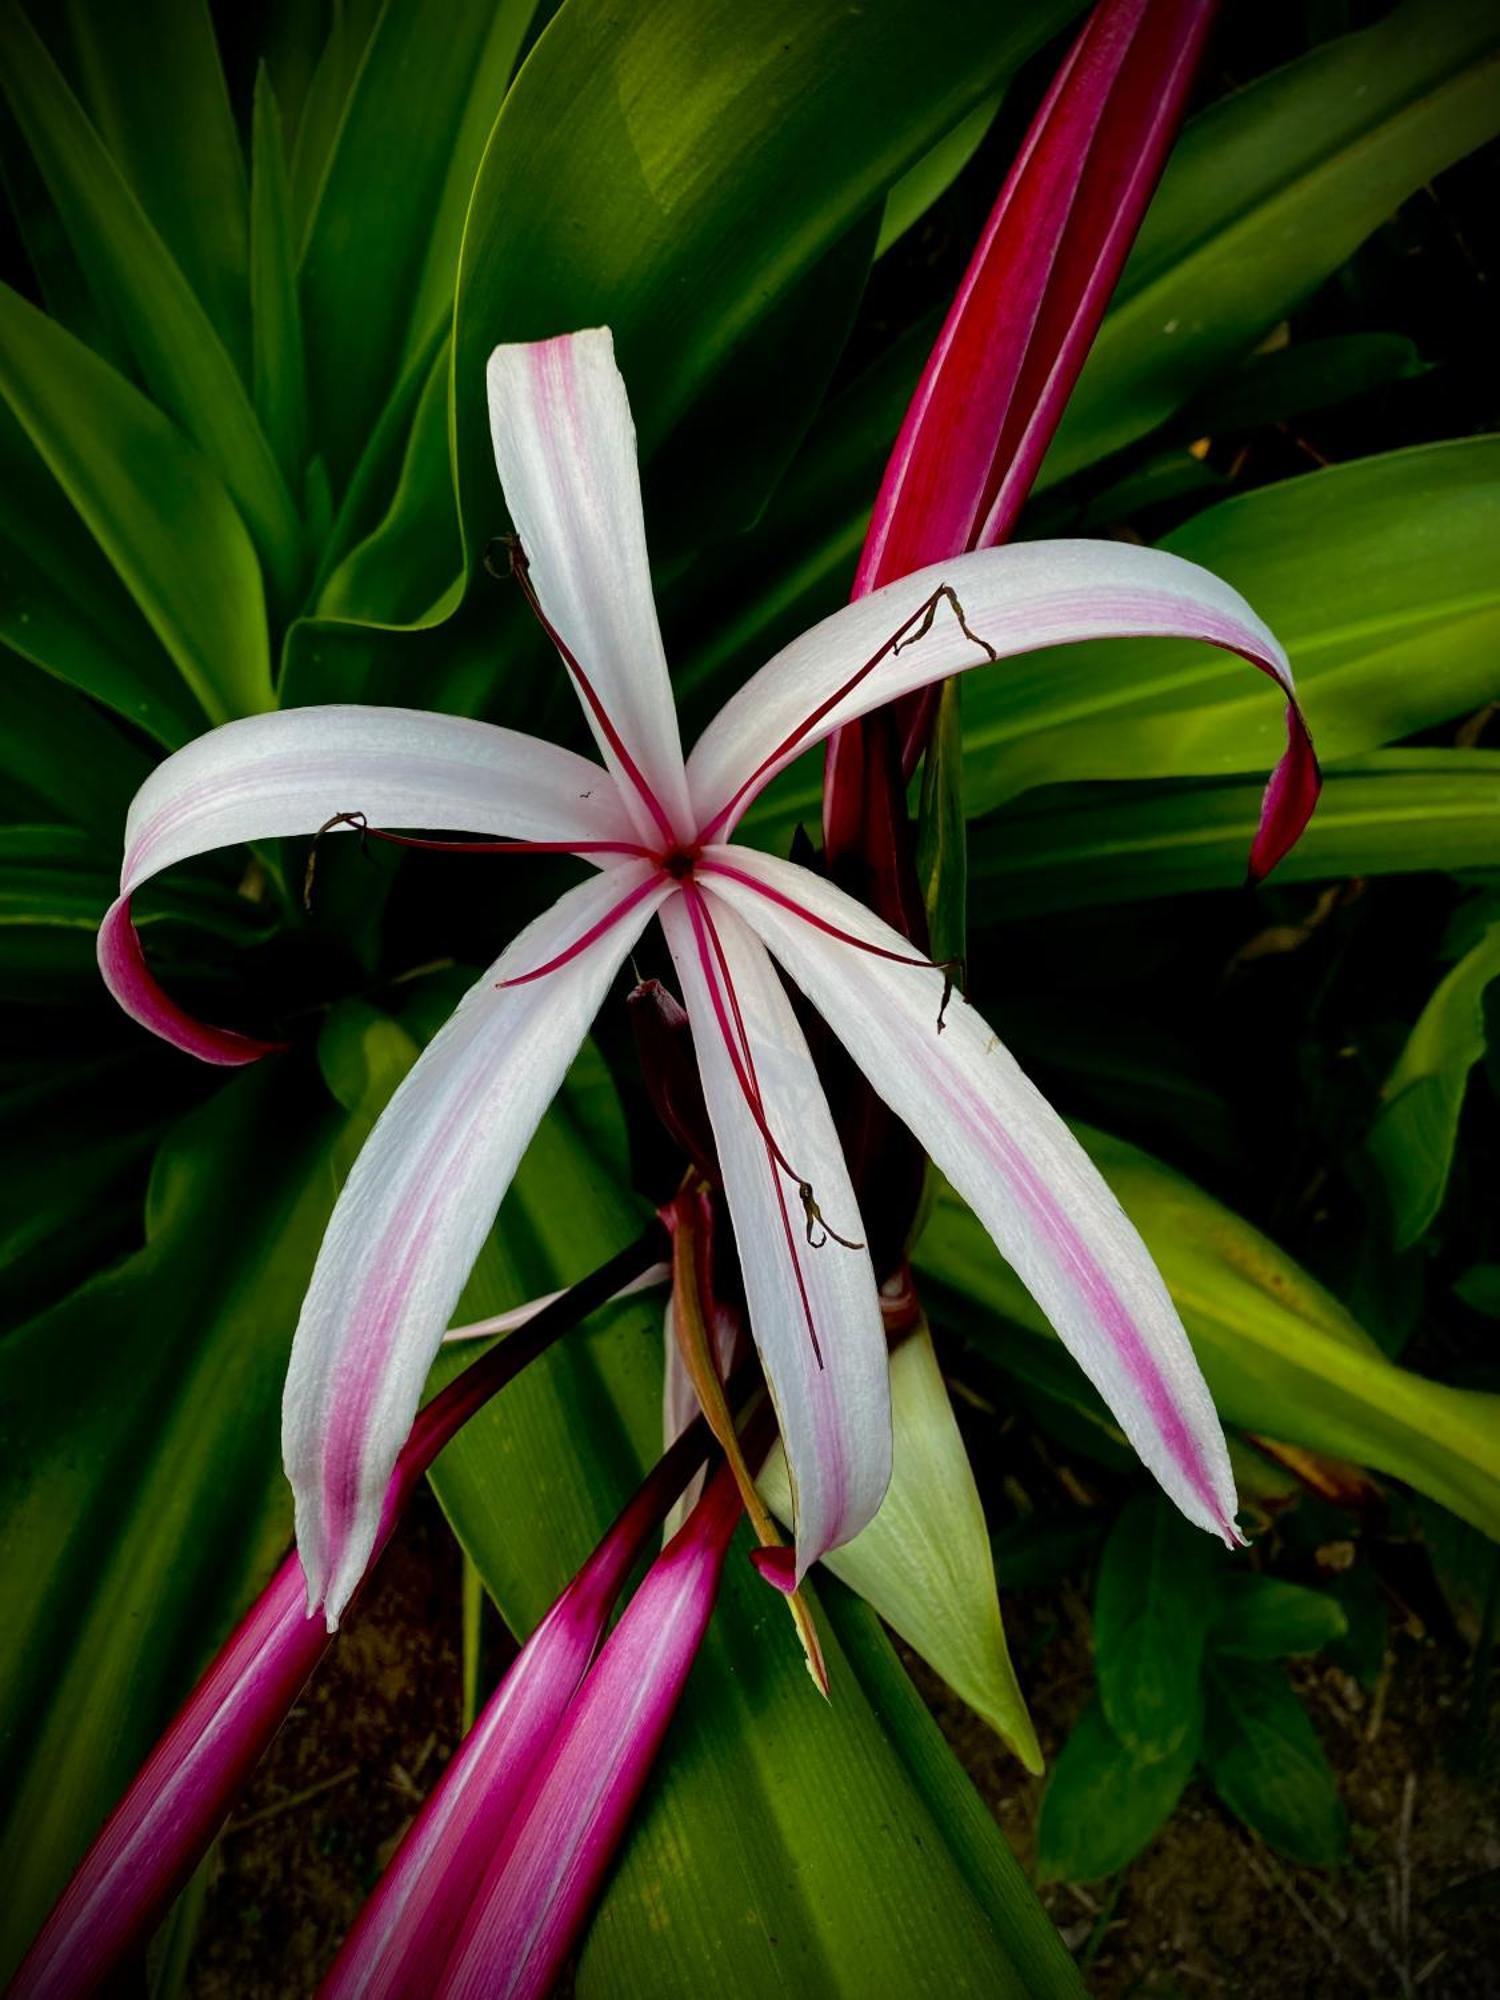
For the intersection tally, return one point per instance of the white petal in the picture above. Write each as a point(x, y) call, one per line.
point(1015, 1163)
point(835, 1416)
point(416, 1209)
point(1017, 599)
point(291, 771)
point(565, 449)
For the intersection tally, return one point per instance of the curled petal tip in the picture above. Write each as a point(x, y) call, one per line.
point(128, 977)
point(1289, 801)
point(778, 1567)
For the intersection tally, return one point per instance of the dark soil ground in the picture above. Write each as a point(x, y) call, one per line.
point(1206, 1910)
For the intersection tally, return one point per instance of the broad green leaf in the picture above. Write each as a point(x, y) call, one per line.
point(1267, 1764)
point(1153, 1602)
point(144, 1500)
point(278, 368)
point(1102, 1803)
point(350, 25)
point(924, 1562)
point(150, 79)
point(64, 608)
point(1266, 1618)
point(932, 176)
point(1306, 375)
point(691, 183)
point(1391, 813)
point(1268, 192)
point(1378, 577)
point(992, 1871)
point(1413, 1138)
point(62, 750)
point(183, 363)
point(1281, 1356)
point(382, 247)
point(152, 502)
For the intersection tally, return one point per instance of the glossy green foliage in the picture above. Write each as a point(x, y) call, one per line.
point(1104, 1802)
point(1414, 1136)
point(1152, 1607)
point(1267, 1765)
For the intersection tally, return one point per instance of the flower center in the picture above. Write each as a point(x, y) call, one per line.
point(679, 862)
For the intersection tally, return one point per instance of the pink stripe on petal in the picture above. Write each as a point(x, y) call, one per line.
point(128, 977)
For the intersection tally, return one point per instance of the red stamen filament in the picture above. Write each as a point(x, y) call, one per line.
point(521, 570)
point(947, 967)
point(904, 636)
point(594, 932)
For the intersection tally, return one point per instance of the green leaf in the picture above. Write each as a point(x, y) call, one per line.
point(63, 606)
point(1391, 813)
point(278, 371)
point(382, 247)
point(1152, 1605)
point(1103, 1804)
point(1414, 1136)
point(1264, 1618)
point(924, 1562)
point(144, 1501)
point(183, 362)
point(1281, 1357)
point(65, 752)
point(1267, 193)
point(151, 501)
point(150, 79)
point(1379, 579)
point(1268, 1766)
point(1307, 375)
point(932, 176)
point(691, 185)
point(1479, 1288)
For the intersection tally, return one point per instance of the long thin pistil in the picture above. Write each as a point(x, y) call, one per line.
point(594, 932)
point(359, 824)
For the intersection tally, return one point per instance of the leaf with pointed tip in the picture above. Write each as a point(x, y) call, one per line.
point(1267, 1618)
point(1153, 1602)
point(278, 369)
point(182, 360)
point(152, 502)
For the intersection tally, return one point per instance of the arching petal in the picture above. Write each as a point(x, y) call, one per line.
point(1012, 600)
point(1014, 1162)
point(565, 449)
point(418, 1205)
point(289, 772)
point(814, 1312)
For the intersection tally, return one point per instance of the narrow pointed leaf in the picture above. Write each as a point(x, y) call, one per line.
point(153, 503)
point(278, 369)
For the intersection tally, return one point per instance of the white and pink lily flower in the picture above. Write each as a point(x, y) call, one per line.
point(658, 830)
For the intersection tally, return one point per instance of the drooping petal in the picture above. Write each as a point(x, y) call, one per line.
point(814, 1312)
point(291, 772)
point(565, 449)
point(417, 1206)
point(559, 1842)
point(407, 1928)
point(1014, 1162)
point(924, 1562)
point(1013, 600)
